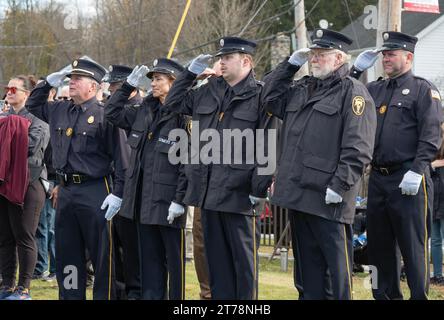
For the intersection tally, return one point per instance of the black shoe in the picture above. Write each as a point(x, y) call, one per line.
point(438, 281)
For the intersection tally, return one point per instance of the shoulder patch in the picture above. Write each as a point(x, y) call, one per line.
point(358, 105)
point(435, 94)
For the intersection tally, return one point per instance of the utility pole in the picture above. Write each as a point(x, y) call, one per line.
point(389, 19)
point(301, 32)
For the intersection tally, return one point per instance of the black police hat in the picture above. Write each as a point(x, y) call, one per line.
point(166, 66)
point(117, 73)
point(329, 39)
point(398, 41)
point(88, 68)
point(235, 44)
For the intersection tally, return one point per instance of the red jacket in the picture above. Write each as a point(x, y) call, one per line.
point(14, 172)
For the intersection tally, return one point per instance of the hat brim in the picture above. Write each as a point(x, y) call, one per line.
point(160, 70)
point(232, 50)
point(321, 46)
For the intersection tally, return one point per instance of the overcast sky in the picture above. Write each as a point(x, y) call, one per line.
point(86, 6)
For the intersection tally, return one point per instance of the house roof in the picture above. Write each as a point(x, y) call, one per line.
point(411, 23)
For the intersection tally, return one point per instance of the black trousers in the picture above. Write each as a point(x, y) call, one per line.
point(324, 257)
point(81, 225)
point(162, 258)
point(18, 226)
point(397, 224)
point(127, 262)
point(231, 249)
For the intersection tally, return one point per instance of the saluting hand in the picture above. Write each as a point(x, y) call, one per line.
point(200, 63)
point(366, 59)
point(136, 78)
point(299, 57)
point(56, 79)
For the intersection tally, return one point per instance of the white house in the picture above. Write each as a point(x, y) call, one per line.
point(429, 52)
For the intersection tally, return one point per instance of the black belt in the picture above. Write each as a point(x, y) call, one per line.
point(389, 170)
point(68, 178)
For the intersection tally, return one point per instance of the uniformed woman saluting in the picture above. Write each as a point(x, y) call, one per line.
point(154, 187)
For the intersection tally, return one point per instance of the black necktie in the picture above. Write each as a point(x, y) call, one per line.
point(384, 109)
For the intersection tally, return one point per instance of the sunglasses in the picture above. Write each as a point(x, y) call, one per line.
point(64, 98)
point(13, 90)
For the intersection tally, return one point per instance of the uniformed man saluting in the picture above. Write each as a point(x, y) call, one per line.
point(329, 123)
point(85, 149)
point(408, 137)
point(227, 191)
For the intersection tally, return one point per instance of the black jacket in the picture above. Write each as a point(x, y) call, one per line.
point(222, 187)
point(327, 139)
point(38, 141)
point(438, 194)
point(151, 179)
point(82, 141)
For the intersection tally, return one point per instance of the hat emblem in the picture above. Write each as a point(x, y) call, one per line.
point(222, 42)
point(155, 62)
point(75, 63)
point(386, 36)
point(110, 68)
point(319, 33)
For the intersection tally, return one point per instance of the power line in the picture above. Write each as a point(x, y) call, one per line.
point(251, 26)
point(252, 18)
point(351, 23)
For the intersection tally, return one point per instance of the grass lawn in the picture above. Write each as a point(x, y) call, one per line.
point(273, 284)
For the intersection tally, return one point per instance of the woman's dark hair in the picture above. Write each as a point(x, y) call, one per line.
point(29, 81)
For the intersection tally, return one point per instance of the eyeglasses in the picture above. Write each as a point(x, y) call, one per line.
point(13, 90)
point(320, 55)
point(64, 98)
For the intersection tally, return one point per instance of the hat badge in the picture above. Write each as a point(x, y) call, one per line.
point(75, 63)
point(319, 33)
point(110, 68)
point(221, 42)
point(155, 62)
point(386, 36)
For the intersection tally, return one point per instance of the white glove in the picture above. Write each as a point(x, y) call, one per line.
point(175, 210)
point(56, 79)
point(200, 63)
point(113, 203)
point(299, 57)
point(136, 78)
point(366, 59)
point(332, 197)
point(410, 183)
point(258, 203)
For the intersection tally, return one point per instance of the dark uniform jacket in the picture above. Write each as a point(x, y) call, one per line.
point(438, 194)
point(328, 135)
point(83, 142)
point(152, 180)
point(222, 187)
point(409, 125)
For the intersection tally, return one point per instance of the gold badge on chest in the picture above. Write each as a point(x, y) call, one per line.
point(383, 109)
point(69, 132)
point(91, 119)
